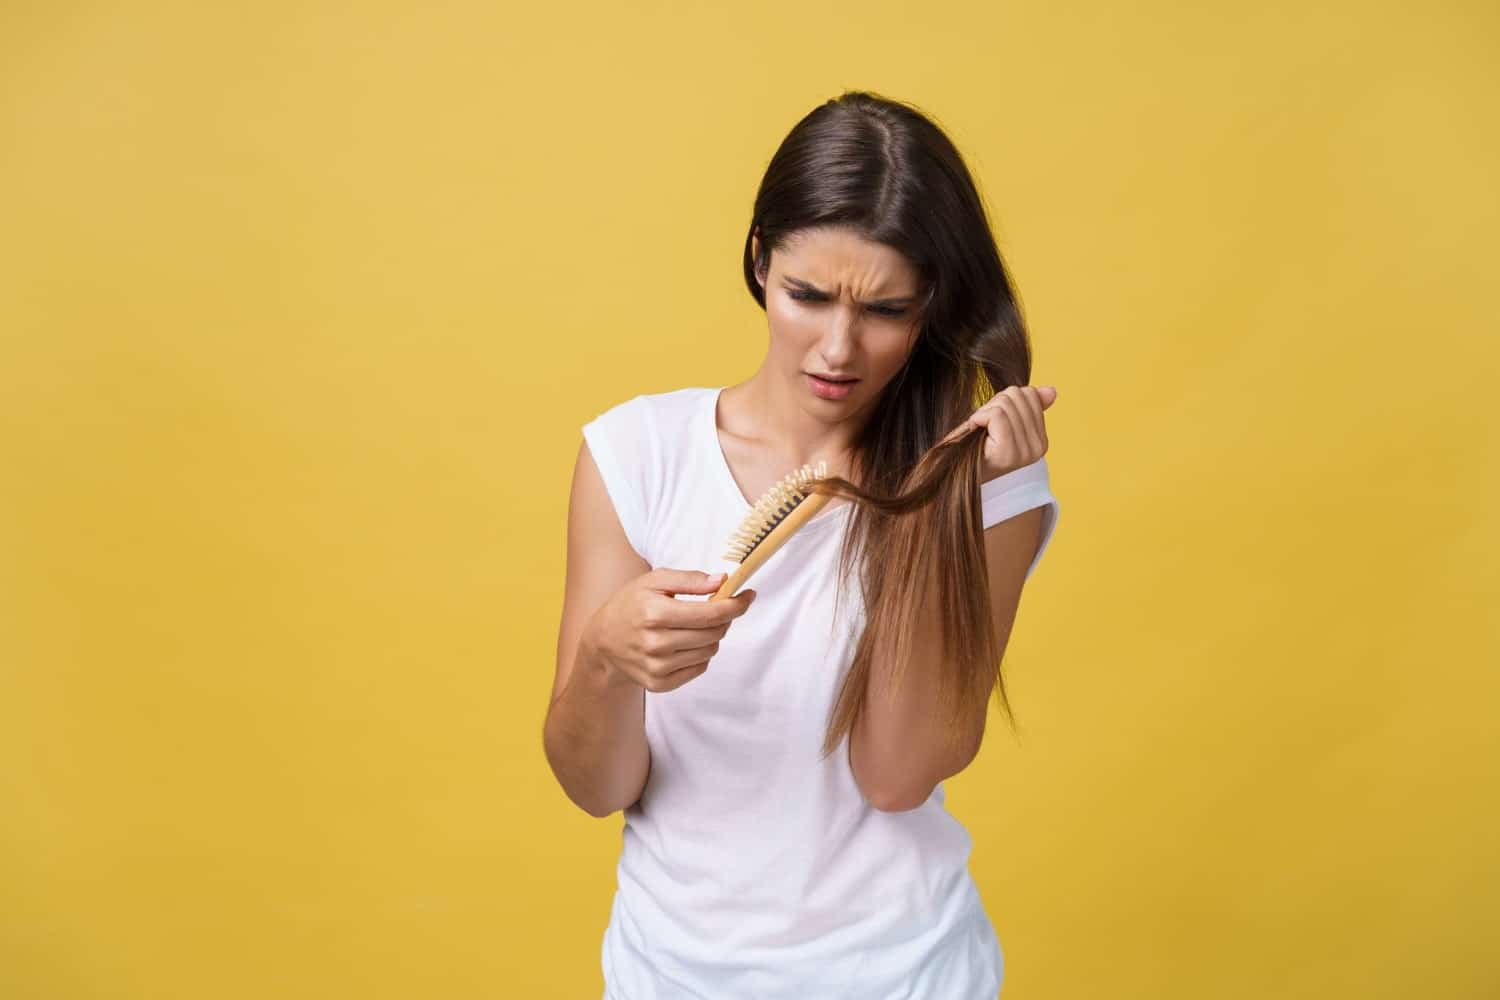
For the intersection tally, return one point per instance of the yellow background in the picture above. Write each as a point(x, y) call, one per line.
point(302, 306)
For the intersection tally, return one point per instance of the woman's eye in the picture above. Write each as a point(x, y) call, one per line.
point(886, 310)
point(804, 296)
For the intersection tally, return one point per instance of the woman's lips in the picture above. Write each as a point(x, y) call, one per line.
point(825, 389)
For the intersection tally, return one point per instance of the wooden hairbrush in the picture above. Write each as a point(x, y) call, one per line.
point(773, 519)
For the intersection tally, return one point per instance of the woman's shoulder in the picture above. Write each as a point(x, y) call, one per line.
point(653, 427)
point(676, 406)
point(671, 405)
point(642, 446)
point(665, 419)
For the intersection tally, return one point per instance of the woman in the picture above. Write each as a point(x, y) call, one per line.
point(779, 760)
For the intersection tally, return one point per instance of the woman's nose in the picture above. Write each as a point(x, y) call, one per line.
point(843, 324)
point(840, 339)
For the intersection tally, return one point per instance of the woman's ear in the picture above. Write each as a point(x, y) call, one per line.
point(755, 248)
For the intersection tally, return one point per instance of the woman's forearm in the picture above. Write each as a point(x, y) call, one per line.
point(595, 735)
point(902, 745)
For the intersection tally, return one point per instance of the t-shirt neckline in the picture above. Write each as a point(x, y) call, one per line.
point(725, 475)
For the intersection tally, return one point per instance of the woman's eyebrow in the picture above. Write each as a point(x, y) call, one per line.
point(809, 286)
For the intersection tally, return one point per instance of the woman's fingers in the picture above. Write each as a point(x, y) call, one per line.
point(1026, 409)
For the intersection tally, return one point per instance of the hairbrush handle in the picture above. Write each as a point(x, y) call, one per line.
point(767, 546)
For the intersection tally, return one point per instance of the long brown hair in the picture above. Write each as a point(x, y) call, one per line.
point(886, 170)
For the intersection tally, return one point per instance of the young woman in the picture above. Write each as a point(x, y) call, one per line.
point(779, 755)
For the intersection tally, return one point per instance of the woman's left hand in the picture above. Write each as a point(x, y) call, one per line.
point(1016, 432)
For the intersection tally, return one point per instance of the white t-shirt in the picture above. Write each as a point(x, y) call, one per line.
point(749, 867)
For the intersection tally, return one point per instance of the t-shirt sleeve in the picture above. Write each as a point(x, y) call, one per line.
point(1016, 492)
point(620, 440)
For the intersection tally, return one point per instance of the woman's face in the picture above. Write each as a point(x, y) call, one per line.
point(839, 305)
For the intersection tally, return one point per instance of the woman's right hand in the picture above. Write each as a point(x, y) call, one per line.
point(643, 634)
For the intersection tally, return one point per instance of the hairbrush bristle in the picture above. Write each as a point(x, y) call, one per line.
point(771, 509)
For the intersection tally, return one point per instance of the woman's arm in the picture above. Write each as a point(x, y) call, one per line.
point(900, 747)
point(595, 732)
point(595, 737)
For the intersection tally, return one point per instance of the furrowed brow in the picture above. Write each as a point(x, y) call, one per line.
point(810, 287)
